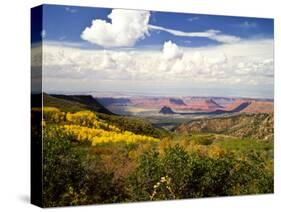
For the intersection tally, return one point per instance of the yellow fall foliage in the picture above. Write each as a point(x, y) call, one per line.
point(86, 126)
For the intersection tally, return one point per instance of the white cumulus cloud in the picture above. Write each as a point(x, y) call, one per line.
point(125, 29)
point(171, 51)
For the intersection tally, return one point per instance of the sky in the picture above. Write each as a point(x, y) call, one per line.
point(88, 50)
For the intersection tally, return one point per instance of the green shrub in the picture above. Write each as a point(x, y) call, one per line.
point(71, 176)
point(195, 175)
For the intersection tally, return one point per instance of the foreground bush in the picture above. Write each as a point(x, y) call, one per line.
point(71, 176)
point(180, 174)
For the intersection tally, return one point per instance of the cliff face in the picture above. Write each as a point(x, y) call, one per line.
point(256, 126)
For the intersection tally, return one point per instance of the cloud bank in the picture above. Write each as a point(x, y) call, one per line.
point(244, 64)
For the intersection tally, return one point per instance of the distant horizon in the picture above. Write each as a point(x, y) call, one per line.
point(132, 95)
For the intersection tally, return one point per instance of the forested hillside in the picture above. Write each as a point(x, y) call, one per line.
point(256, 126)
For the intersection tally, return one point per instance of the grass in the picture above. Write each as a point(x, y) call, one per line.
point(242, 145)
point(245, 145)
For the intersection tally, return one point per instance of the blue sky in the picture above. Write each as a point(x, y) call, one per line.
point(67, 22)
point(132, 51)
